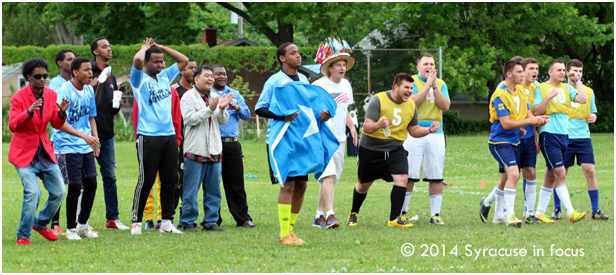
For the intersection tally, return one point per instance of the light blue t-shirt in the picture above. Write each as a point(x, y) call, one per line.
point(154, 101)
point(445, 91)
point(57, 82)
point(82, 108)
point(230, 129)
point(559, 122)
point(276, 80)
point(578, 128)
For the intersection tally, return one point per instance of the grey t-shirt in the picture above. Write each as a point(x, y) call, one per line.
point(373, 113)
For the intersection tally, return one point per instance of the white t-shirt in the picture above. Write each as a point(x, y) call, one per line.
point(342, 93)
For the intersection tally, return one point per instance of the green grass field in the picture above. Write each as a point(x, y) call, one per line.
point(369, 247)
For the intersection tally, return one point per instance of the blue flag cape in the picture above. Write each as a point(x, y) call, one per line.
point(306, 144)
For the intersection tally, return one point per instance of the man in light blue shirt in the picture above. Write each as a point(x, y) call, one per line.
point(157, 146)
point(232, 163)
point(63, 60)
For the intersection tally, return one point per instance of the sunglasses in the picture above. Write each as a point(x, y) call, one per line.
point(38, 76)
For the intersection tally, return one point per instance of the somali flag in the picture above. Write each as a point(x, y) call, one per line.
point(306, 144)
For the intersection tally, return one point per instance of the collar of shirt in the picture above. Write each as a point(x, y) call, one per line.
point(224, 91)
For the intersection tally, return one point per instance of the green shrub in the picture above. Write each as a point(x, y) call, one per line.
point(605, 118)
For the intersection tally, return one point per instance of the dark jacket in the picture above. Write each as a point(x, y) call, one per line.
point(105, 113)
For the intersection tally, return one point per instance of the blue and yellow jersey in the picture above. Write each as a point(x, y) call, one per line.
point(428, 111)
point(398, 114)
point(505, 102)
point(558, 108)
point(578, 116)
point(529, 91)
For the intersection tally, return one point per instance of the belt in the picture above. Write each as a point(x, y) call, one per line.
point(229, 139)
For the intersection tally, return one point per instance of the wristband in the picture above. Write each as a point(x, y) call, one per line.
point(430, 130)
point(577, 80)
point(434, 88)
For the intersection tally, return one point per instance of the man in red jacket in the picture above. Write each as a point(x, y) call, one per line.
point(32, 108)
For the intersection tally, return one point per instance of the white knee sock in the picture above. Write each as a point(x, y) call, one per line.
point(499, 202)
point(405, 205)
point(545, 194)
point(509, 196)
point(565, 199)
point(490, 198)
point(435, 204)
point(531, 196)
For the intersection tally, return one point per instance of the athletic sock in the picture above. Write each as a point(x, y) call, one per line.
point(545, 194)
point(397, 198)
point(524, 194)
point(319, 214)
point(435, 204)
point(405, 205)
point(530, 195)
point(509, 197)
point(556, 200)
point(358, 200)
point(565, 199)
point(329, 213)
point(499, 202)
point(292, 219)
point(284, 215)
point(490, 198)
point(594, 199)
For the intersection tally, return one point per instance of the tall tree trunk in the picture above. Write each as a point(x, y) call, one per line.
point(62, 35)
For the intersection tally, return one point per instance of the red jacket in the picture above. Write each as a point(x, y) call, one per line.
point(175, 113)
point(28, 131)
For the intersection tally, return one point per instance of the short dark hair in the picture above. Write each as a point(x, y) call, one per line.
point(422, 56)
point(94, 44)
point(528, 60)
point(76, 64)
point(151, 51)
point(282, 50)
point(517, 58)
point(200, 69)
point(401, 77)
point(217, 66)
point(31, 64)
point(574, 63)
point(555, 61)
point(61, 54)
point(509, 65)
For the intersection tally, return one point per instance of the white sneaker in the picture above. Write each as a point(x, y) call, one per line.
point(86, 231)
point(513, 221)
point(135, 228)
point(501, 220)
point(170, 228)
point(72, 234)
point(120, 225)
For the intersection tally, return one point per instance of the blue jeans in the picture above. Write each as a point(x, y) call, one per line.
point(53, 182)
point(106, 160)
point(195, 173)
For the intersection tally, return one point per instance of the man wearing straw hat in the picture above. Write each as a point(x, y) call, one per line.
point(335, 61)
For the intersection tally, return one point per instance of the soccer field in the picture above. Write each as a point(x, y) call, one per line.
point(464, 244)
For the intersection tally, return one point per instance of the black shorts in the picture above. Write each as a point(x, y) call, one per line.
point(271, 173)
point(76, 167)
point(373, 165)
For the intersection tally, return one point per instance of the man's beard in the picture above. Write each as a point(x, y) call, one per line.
point(219, 87)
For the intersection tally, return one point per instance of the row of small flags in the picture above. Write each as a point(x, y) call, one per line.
point(330, 47)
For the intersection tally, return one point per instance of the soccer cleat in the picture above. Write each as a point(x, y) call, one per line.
point(543, 218)
point(320, 222)
point(513, 221)
point(149, 225)
point(501, 220)
point(556, 214)
point(352, 219)
point(116, 224)
point(436, 220)
point(46, 233)
point(483, 210)
point(135, 228)
point(399, 222)
point(576, 216)
point(298, 239)
point(532, 220)
point(332, 222)
point(72, 234)
point(289, 239)
point(599, 216)
point(57, 230)
point(170, 228)
point(403, 215)
point(158, 225)
point(86, 231)
point(23, 241)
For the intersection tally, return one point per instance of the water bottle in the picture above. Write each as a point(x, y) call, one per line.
point(386, 131)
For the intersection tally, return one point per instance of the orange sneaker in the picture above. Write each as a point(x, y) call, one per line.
point(289, 239)
point(56, 229)
point(298, 239)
